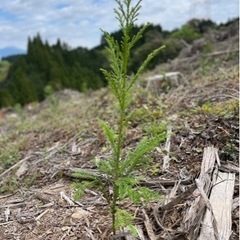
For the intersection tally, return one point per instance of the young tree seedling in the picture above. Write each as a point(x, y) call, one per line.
point(116, 179)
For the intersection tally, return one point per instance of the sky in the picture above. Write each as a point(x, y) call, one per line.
point(78, 22)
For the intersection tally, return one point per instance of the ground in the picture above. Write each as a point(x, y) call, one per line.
point(43, 143)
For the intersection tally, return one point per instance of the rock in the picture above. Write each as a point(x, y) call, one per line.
point(80, 213)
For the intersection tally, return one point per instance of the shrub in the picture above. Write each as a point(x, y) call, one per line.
point(188, 33)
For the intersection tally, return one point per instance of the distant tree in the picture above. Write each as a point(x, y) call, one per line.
point(23, 90)
point(206, 25)
point(6, 98)
point(229, 22)
point(13, 58)
point(187, 33)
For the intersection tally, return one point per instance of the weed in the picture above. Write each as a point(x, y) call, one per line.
point(230, 151)
point(11, 147)
point(20, 111)
point(156, 128)
point(224, 109)
point(208, 47)
point(8, 158)
point(30, 180)
point(48, 90)
point(155, 169)
point(10, 185)
point(139, 115)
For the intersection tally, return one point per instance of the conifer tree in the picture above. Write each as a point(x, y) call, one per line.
point(118, 170)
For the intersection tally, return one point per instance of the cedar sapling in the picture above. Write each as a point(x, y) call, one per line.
point(116, 178)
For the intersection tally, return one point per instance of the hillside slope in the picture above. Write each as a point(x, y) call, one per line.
point(43, 143)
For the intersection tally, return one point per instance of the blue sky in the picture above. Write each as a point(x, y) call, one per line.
point(77, 22)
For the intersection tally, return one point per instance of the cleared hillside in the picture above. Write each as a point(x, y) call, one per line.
point(43, 143)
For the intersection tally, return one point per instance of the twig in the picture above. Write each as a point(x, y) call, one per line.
point(179, 198)
point(166, 183)
point(15, 165)
point(42, 214)
point(66, 198)
point(7, 214)
point(167, 149)
point(6, 223)
point(90, 233)
point(148, 226)
point(221, 53)
point(13, 205)
point(6, 196)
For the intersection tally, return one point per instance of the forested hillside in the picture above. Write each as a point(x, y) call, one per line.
point(58, 66)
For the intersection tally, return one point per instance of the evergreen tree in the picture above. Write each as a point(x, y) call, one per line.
point(23, 90)
point(5, 98)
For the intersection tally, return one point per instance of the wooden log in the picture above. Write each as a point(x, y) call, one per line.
point(164, 82)
point(194, 215)
point(210, 211)
point(221, 204)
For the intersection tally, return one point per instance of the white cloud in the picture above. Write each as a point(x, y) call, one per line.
point(78, 22)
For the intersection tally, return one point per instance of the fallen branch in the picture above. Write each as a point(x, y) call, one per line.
point(15, 165)
point(221, 53)
point(179, 198)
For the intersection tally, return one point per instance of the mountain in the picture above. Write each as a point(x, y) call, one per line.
point(10, 50)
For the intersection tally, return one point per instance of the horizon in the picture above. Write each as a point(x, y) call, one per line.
point(78, 24)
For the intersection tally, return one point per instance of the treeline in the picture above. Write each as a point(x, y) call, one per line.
point(59, 66)
point(155, 36)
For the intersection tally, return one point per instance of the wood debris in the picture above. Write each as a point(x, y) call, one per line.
point(221, 202)
point(167, 150)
